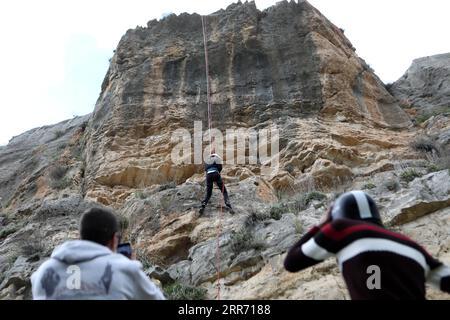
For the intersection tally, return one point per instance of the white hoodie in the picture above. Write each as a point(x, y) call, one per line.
point(86, 270)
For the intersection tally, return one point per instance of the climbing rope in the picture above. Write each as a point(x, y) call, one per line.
point(208, 88)
point(208, 95)
point(219, 232)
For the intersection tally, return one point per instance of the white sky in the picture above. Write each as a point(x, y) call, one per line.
point(54, 54)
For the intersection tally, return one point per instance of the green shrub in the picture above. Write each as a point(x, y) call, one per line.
point(309, 197)
point(409, 175)
point(143, 258)
point(32, 163)
point(8, 203)
point(179, 291)
point(391, 185)
point(298, 226)
point(443, 162)
point(277, 210)
point(424, 144)
point(369, 186)
point(77, 153)
point(12, 257)
point(59, 181)
point(243, 240)
point(423, 117)
point(301, 203)
point(61, 184)
point(147, 260)
point(166, 186)
point(33, 247)
point(58, 134)
point(256, 216)
point(433, 168)
point(124, 223)
point(141, 195)
point(29, 249)
point(8, 230)
point(281, 194)
point(165, 202)
point(57, 172)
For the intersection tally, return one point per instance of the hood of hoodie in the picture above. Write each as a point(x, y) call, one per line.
point(78, 251)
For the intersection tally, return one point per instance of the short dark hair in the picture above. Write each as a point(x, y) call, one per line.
point(98, 225)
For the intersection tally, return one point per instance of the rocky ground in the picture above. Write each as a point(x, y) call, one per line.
point(340, 129)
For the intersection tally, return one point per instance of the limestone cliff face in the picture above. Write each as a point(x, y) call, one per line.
point(424, 93)
point(286, 66)
point(425, 87)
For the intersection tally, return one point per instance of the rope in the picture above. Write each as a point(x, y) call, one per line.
point(208, 88)
point(219, 231)
point(208, 94)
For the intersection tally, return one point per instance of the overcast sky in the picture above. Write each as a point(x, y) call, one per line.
point(54, 54)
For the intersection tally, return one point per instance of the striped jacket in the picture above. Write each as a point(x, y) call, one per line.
point(362, 248)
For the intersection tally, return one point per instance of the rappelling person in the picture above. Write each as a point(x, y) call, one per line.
point(213, 168)
point(376, 263)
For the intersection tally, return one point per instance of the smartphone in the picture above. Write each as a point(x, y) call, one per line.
point(125, 249)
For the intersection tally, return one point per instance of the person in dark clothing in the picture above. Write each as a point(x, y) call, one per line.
point(375, 263)
point(213, 168)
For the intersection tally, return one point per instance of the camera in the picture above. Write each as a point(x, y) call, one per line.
point(125, 249)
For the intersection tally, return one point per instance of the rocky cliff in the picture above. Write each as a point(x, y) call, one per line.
point(425, 87)
point(286, 66)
